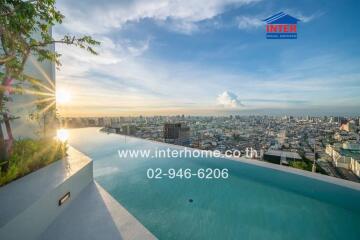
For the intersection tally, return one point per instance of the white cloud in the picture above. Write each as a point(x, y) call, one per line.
point(246, 22)
point(309, 18)
point(120, 79)
point(110, 52)
point(139, 48)
point(304, 18)
point(185, 27)
point(102, 18)
point(228, 100)
point(123, 76)
point(251, 22)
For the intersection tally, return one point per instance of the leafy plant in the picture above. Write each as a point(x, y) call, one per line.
point(29, 155)
point(25, 30)
point(301, 165)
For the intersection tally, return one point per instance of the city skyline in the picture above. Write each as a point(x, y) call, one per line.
point(170, 58)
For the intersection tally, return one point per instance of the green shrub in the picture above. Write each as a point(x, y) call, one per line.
point(301, 165)
point(28, 155)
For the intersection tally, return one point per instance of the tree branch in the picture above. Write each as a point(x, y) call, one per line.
point(6, 59)
point(43, 44)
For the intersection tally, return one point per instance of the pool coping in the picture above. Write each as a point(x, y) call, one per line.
point(299, 172)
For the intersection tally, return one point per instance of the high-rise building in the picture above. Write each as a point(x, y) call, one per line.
point(348, 126)
point(177, 133)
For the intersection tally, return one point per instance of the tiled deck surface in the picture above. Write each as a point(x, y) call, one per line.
point(22, 193)
point(94, 214)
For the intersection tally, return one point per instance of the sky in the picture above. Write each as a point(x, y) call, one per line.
point(209, 57)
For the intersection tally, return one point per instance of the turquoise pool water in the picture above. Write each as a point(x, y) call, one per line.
point(253, 203)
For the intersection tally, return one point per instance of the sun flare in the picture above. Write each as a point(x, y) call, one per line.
point(63, 96)
point(62, 134)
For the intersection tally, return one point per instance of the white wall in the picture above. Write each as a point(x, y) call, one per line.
point(23, 105)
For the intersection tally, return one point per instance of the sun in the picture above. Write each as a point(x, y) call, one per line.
point(63, 96)
point(62, 134)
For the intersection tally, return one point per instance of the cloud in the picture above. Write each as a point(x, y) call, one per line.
point(129, 75)
point(304, 18)
point(309, 18)
point(139, 48)
point(138, 83)
point(184, 27)
point(110, 51)
point(290, 101)
point(247, 22)
point(183, 15)
point(229, 100)
point(252, 22)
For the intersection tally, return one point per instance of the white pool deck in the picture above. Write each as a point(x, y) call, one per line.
point(21, 194)
point(94, 214)
point(29, 206)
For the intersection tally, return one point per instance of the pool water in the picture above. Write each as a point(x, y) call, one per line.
point(253, 203)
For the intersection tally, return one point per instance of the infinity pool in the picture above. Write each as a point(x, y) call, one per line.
point(253, 203)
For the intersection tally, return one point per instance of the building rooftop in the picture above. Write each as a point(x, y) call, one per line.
point(286, 154)
point(350, 153)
